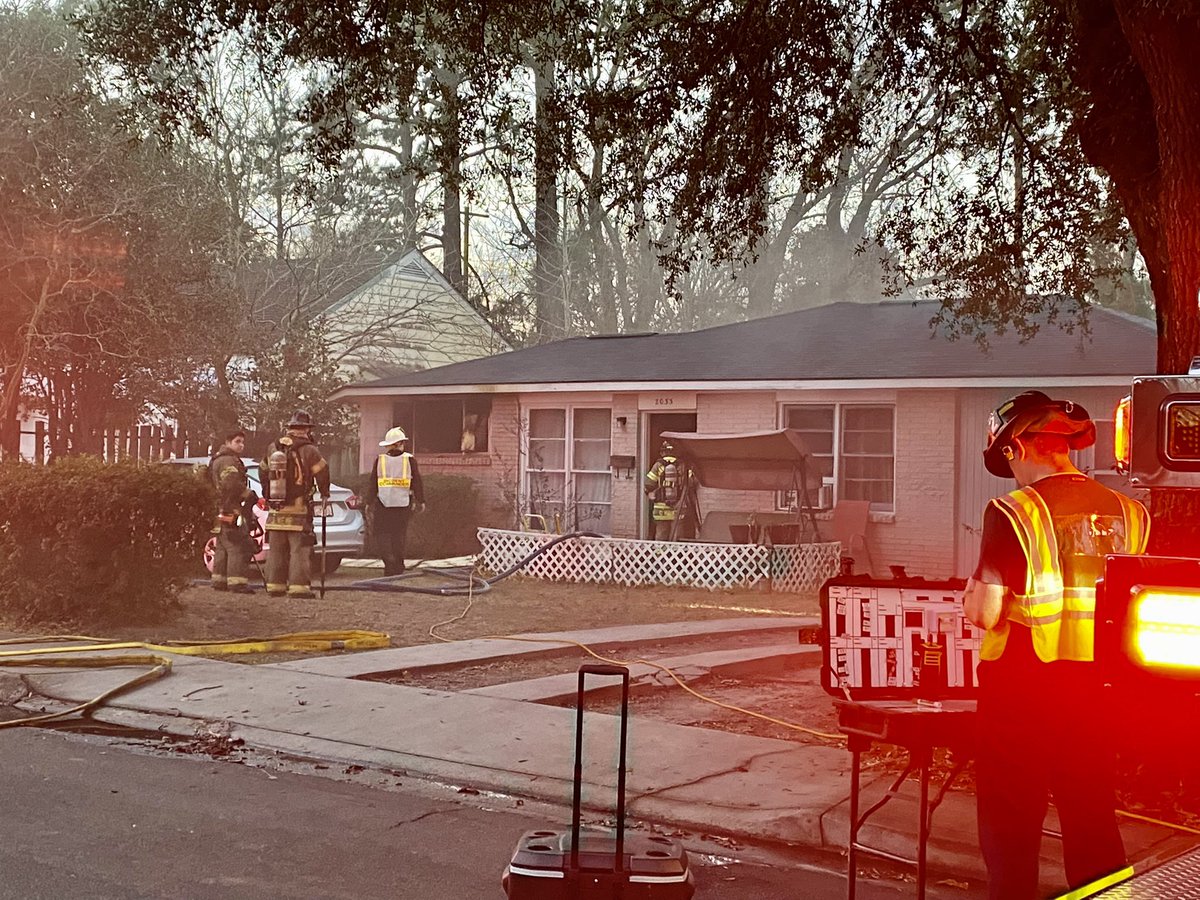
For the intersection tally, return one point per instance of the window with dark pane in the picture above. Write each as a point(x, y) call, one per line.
point(816, 427)
point(867, 459)
point(444, 424)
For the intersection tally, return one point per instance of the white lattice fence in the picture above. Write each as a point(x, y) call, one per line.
point(578, 560)
point(690, 564)
point(803, 568)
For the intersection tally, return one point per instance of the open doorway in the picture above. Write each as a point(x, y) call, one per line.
point(652, 428)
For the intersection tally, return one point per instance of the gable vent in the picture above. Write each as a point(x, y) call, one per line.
point(413, 269)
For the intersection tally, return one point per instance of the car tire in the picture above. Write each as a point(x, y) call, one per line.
point(332, 561)
point(210, 552)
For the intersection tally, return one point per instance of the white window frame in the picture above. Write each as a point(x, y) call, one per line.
point(831, 488)
point(571, 503)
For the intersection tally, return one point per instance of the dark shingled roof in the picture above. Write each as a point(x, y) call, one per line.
point(841, 341)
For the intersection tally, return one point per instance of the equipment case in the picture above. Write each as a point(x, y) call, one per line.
point(568, 865)
point(898, 638)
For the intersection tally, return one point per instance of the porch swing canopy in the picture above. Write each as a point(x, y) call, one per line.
point(753, 461)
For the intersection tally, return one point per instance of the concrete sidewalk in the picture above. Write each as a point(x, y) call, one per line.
point(756, 789)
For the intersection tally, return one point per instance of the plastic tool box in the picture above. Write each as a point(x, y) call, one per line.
point(899, 638)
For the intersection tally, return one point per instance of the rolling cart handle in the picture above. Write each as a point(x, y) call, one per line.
point(576, 802)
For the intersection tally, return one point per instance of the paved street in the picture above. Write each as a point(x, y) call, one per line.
point(86, 816)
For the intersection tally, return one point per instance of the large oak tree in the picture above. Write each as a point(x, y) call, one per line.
point(1058, 123)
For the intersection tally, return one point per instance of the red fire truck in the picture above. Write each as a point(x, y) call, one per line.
point(1148, 607)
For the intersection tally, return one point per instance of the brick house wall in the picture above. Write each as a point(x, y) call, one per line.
point(627, 486)
point(921, 533)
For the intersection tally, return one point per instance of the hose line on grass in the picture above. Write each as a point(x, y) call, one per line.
point(793, 726)
point(159, 666)
point(67, 657)
point(468, 581)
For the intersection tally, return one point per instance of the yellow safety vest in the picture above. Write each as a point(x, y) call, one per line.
point(395, 482)
point(1060, 618)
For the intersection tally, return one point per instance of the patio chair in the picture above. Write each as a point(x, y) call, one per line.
point(848, 525)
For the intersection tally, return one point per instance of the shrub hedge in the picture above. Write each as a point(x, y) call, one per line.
point(85, 542)
point(448, 525)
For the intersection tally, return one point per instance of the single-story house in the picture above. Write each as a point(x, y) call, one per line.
point(892, 412)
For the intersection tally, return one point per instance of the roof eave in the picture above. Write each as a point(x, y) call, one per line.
point(354, 392)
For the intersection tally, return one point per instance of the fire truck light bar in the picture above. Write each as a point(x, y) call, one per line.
point(1165, 627)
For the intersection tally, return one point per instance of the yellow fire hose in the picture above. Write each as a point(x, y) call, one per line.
point(67, 657)
point(280, 643)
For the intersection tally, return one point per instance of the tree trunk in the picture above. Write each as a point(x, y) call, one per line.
point(606, 301)
point(452, 261)
point(408, 190)
point(549, 309)
point(1139, 69)
point(1164, 46)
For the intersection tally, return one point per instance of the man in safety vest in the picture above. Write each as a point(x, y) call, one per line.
point(292, 468)
point(671, 483)
point(394, 492)
point(231, 557)
point(1042, 723)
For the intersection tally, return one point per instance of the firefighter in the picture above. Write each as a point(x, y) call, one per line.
point(293, 467)
point(672, 485)
point(231, 559)
point(1042, 723)
point(394, 493)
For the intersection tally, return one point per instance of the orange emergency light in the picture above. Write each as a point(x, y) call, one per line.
point(1164, 627)
point(1122, 434)
point(1148, 620)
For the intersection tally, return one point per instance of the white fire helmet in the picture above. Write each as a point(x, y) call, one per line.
point(394, 436)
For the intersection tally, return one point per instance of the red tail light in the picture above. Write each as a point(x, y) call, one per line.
point(353, 501)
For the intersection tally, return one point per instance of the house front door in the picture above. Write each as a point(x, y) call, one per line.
point(653, 426)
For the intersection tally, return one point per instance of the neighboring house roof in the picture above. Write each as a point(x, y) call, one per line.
point(407, 317)
point(281, 289)
point(889, 342)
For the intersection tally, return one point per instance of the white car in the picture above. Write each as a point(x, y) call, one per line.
point(345, 527)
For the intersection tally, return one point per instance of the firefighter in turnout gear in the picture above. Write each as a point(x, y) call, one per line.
point(394, 493)
point(672, 485)
point(1042, 719)
point(231, 559)
point(293, 467)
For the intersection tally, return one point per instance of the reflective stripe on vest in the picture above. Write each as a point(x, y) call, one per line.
point(1061, 619)
point(395, 485)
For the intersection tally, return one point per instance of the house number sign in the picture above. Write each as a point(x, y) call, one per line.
point(667, 402)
